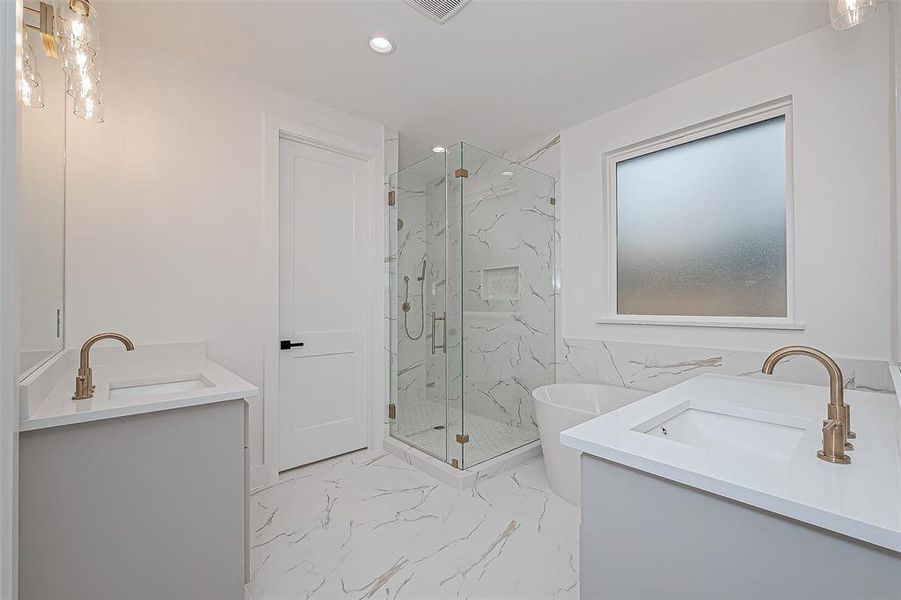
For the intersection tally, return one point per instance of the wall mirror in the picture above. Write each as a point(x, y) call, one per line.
point(42, 181)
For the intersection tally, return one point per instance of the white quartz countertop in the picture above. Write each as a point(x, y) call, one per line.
point(180, 375)
point(861, 500)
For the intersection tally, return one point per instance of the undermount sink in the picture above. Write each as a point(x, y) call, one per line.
point(765, 435)
point(136, 390)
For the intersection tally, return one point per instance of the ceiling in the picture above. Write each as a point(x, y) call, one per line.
point(500, 73)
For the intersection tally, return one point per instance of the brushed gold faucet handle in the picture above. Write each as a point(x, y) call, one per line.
point(846, 419)
point(834, 443)
point(840, 413)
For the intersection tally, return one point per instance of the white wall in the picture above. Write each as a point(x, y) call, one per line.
point(840, 84)
point(165, 206)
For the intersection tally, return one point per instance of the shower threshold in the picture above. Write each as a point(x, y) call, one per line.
point(457, 478)
point(493, 446)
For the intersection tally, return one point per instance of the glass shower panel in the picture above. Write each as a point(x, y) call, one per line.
point(454, 289)
point(508, 302)
point(417, 274)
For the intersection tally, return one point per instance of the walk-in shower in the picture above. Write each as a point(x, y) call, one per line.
point(475, 259)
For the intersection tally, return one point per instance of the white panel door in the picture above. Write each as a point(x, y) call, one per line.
point(323, 302)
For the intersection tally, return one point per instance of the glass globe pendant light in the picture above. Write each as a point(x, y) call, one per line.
point(78, 35)
point(77, 25)
point(848, 13)
point(31, 85)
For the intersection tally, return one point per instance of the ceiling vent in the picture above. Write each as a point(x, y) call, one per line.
point(439, 11)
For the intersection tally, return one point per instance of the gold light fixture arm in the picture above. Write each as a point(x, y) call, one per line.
point(46, 20)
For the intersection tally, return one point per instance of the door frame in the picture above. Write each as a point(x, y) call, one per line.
point(276, 128)
point(10, 51)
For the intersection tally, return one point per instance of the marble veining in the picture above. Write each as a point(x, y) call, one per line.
point(655, 367)
point(369, 525)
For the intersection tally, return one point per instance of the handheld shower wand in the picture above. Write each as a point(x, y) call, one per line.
point(406, 305)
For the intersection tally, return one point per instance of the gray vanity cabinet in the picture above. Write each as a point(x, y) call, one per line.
point(647, 537)
point(144, 506)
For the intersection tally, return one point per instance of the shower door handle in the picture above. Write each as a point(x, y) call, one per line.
point(435, 319)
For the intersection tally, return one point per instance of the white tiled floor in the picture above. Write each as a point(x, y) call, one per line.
point(368, 525)
point(488, 438)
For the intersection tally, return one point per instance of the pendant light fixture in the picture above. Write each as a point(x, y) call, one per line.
point(845, 14)
point(69, 32)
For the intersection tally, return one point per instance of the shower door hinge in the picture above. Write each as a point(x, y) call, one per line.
point(391, 198)
point(462, 438)
point(553, 201)
point(455, 463)
point(461, 172)
point(392, 411)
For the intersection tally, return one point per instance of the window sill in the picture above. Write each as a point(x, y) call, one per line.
point(728, 322)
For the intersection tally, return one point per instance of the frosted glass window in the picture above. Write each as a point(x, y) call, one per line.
point(700, 227)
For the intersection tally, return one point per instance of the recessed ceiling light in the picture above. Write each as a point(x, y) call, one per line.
point(439, 149)
point(381, 45)
point(507, 173)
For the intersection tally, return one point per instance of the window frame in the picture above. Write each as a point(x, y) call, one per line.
point(781, 107)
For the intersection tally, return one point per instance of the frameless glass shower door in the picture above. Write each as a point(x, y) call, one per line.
point(418, 305)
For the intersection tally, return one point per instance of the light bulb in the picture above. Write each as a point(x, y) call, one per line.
point(89, 107)
point(381, 45)
point(76, 26)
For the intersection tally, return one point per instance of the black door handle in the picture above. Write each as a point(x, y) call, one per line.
point(287, 345)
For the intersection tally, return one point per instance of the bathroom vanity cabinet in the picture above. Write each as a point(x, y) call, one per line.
point(148, 505)
point(713, 489)
point(644, 536)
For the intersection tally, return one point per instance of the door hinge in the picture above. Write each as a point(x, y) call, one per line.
point(392, 411)
point(392, 199)
point(461, 172)
point(455, 463)
point(462, 438)
point(553, 201)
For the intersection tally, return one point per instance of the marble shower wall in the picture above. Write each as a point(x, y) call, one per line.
point(508, 287)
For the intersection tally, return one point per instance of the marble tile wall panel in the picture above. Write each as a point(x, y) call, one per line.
point(654, 367)
point(509, 222)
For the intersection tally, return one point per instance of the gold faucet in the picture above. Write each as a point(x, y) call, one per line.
point(84, 382)
point(837, 428)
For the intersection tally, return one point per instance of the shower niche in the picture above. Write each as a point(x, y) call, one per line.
point(472, 303)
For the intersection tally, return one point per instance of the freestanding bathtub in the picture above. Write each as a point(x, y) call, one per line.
point(564, 405)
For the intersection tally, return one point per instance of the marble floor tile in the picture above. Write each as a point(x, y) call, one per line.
point(367, 525)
